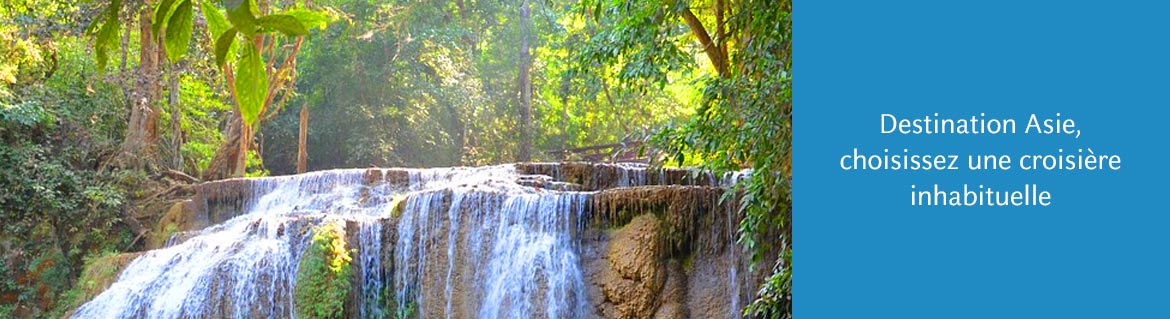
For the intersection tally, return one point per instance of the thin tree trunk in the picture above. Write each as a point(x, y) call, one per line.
point(458, 131)
point(176, 121)
point(525, 153)
point(302, 140)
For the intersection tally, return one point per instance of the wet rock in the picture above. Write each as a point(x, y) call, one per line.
point(599, 176)
point(672, 300)
point(634, 273)
point(682, 209)
point(177, 219)
point(547, 182)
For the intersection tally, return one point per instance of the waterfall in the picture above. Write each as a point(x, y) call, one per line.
point(371, 275)
point(486, 242)
point(495, 241)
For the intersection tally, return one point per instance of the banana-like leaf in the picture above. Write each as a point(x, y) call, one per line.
point(309, 18)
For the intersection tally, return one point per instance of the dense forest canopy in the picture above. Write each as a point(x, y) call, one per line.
point(100, 98)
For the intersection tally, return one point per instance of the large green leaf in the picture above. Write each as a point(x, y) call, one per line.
point(309, 18)
point(231, 4)
point(179, 30)
point(216, 23)
point(251, 84)
point(107, 35)
point(242, 18)
point(162, 13)
point(284, 23)
point(224, 47)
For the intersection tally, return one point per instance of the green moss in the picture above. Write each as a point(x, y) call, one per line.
point(164, 235)
point(409, 311)
point(99, 272)
point(396, 206)
point(323, 285)
point(688, 262)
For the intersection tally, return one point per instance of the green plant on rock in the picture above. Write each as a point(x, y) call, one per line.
point(410, 310)
point(323, 284)
point(99, 272)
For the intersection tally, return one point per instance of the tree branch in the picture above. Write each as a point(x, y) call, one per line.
point(712, 50)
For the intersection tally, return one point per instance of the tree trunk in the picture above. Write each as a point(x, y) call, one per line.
point(142, 130)
point(302, 139)
point(525, 153)
point(245, 142)
point(457, 129)
point(223, 165)
point(721, 28)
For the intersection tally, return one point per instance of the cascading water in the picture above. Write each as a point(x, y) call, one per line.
point(507, 247)
point(372, 278)
point(429, 243)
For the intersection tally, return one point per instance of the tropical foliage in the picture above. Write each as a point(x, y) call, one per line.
point(100, 99)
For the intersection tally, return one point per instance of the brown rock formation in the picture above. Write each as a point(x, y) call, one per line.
point(635, 272)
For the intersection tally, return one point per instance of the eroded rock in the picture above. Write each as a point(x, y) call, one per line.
point(633, 273)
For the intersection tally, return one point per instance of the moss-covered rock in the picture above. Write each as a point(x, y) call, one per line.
point(323, 278)
point(98, 274)
point(177, 219)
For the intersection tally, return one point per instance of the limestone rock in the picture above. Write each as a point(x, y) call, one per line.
point(635, 273)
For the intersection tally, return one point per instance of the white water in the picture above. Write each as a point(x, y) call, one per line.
point(465, 242)
point(518, 239)
point(505, 246)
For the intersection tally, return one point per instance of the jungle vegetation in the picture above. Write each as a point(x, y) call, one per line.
point(104, 105)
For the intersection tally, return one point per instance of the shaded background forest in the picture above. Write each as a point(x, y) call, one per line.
point(381, 83)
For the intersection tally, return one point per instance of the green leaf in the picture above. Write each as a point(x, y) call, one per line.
point(284, 23)
point(597, 12)
point(309, 18)
point(223, 46)
point(102, 43)
point(94, 25)
point(251, 84)
point(162, 14)
point(107, 35)
point(179, 30)
point(241, 17)
point(231, 4)
point(216, 23)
